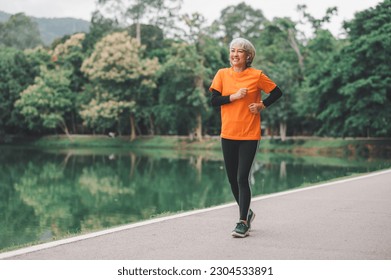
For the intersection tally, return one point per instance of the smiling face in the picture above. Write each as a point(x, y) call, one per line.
point(237, 58)
point(241, 54)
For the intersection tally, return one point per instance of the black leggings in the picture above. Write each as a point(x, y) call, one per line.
point(238, 158)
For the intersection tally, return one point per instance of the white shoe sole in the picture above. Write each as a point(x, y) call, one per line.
point(235, 234)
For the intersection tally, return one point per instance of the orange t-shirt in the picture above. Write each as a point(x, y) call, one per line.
point(237, 122)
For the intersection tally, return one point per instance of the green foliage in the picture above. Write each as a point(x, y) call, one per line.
point(118, 68)
point(318, 53)
point(70, 55)
point(151, 37)
point(278, 58)
point(99, 27)
point(239, 21)
point(46, 103)
point(17, 72)
point(353, 88)
point(316, 23)
point(181, 98)
point(116, 59)
point(105, 115)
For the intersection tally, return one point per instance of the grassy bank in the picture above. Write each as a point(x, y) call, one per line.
point(298, 145)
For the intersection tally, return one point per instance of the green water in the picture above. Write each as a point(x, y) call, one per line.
point(51, 194)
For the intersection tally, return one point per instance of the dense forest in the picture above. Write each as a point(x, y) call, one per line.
point(145, 69)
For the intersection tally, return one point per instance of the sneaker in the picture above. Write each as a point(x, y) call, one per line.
point(250, 218)
point(241, 230)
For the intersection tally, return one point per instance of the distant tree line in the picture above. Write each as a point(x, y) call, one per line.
point(49, 28)
point(145, 69)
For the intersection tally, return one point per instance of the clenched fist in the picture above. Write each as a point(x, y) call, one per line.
point(239, 94)
point(255, 108)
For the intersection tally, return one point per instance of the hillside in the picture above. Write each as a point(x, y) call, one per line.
point(53, 28)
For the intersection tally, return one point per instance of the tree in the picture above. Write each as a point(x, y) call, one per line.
point(99, 27)
point(367, 72)
point(46, 103)
point(158, 12)
point(118, 68)
point(20, 32)
point(317, 23)
point(281, 59)
point(238, 21)
point(318, 52)
point(151, 36)
point(69, 55)
point(289, 61)
point(356, 82)
point(103, 115)
point(181, 94)
point(17, 71)
point(200, 39)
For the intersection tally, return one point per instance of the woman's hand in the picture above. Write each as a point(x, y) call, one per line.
point(255, 108)
point(238, 95)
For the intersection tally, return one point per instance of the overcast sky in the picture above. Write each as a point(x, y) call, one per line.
point(210, 9)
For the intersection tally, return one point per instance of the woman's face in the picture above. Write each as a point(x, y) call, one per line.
point(237, 57)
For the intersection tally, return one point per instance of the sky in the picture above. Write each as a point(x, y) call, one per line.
point(210, 9)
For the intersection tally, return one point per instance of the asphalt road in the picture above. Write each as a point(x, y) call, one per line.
point(346, 219)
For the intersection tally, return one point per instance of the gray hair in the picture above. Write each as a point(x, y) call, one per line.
point(247, 46)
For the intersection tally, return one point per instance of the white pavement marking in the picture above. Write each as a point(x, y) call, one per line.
point(189, 213)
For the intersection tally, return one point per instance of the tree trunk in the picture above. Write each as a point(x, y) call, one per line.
point(138, 31)
point(283, 127)
point(132, 128)
point(151, 125)
point(295, 47)
point(65, 129)
point(74, 129)
point(198, 130)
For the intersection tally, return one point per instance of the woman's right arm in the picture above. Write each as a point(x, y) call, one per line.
point(217, 99)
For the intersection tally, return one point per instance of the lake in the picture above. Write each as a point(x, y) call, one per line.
point(52, 194)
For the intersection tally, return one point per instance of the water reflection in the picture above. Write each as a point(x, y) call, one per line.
point(48, 195)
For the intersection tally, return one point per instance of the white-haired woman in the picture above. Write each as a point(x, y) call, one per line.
point(237, 90)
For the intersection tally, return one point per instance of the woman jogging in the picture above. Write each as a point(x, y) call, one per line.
point(238, 91)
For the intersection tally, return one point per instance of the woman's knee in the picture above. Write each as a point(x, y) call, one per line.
point(243, 182)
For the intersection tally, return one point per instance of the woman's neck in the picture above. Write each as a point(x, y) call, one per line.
point(239, 69)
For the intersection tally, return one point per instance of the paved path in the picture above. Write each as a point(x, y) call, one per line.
point(347, 219)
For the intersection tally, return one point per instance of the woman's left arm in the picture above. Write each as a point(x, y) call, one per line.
point(274, 95)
